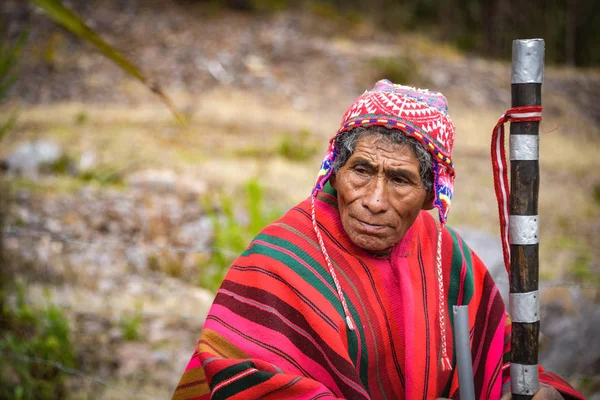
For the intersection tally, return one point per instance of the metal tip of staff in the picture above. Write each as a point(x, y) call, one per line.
point(527, 61)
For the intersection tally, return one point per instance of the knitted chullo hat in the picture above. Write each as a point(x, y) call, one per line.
point(419, 114)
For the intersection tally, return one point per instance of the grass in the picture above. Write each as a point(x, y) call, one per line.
point(232, 235)
point(130, 325)
point(297, 146)
point(341, 21)
point(53, 185)
point(32, 333)
point(596, 194)
point(403, 69)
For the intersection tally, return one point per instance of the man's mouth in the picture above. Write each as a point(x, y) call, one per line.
point(370, 227)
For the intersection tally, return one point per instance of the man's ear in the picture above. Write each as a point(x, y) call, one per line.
point(428, 202)
point(333, 181)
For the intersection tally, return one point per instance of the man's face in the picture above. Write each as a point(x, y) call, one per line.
point(380, 193)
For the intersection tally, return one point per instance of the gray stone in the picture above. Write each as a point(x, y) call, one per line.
point(87, 161)
point(166, 181)
point(161, 357)
point(196, 235)
point(570, 329)
point(28, 158)
point(137, 257)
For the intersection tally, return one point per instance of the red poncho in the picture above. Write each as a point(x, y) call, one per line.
point(276, 329)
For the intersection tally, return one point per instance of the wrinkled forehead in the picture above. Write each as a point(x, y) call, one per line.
point(372, 140)
point(387, 140)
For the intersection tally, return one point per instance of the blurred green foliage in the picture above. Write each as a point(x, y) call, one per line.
point(33, 341)
point(596, 194)
point(237, 222)
point(487, 27)
point(293, 146)
point(396, 69)
point(297, 146)
point(28, 335)
point(580, 267)
point(269, 5)
point(9, 58)
point(72, 22)
point(130, 324)
point(103, 175)
point(569, 27)
point(343, 20)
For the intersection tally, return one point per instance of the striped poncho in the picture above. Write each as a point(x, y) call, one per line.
point(276, 329)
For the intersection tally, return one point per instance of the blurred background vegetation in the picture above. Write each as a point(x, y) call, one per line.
point(569, 27)
point(118, 221)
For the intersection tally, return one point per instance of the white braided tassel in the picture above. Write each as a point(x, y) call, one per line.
point(331, 271)
point(446, 364)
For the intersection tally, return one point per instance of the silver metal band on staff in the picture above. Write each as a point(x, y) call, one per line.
point(528, 61)
point(524, 379)
point(524, 147)
point(524, 229)
point(524, 307)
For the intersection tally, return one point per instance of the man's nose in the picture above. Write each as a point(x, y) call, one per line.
point(375, 198)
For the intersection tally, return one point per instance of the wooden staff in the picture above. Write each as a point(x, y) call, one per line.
point(524, 303)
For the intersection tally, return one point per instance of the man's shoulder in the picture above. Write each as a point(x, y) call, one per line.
point(296, 220)
point(481, 250)
point(430, 223)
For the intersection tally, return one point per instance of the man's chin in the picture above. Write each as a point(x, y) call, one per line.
point(371, 244)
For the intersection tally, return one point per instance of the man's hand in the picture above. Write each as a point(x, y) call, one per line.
point(544, 393)
point(547, 393)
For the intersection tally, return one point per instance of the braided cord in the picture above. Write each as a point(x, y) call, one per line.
point(500, 168)
point(330, 265)
point(446, 365)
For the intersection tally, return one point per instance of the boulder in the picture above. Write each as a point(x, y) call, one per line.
point(30, 157)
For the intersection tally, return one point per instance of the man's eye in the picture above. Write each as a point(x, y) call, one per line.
point(361, 170)
point(399, 180)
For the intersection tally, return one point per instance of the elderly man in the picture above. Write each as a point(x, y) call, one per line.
point(348, 294)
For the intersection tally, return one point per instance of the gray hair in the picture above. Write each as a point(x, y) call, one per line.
point(346, 143)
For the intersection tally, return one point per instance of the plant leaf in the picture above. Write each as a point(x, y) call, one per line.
point(68, 19)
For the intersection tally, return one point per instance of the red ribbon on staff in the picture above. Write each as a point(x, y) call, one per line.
point(500, 168)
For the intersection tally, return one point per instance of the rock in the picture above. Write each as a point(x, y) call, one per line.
point(440, 78)
point(161, 357)
point(106, 285)
point(87, 161)
point(157, 332)
point(573, 331)
point(135, 286)
point(28, 158)
point(115, 334)
point(256, 65)
point(155, 180)
point(489, 249)
point(137, 257)
point(196, 234)
point(166, 181)
point(134, 358)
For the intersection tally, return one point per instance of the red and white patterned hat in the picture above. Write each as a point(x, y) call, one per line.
point(418, 113)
